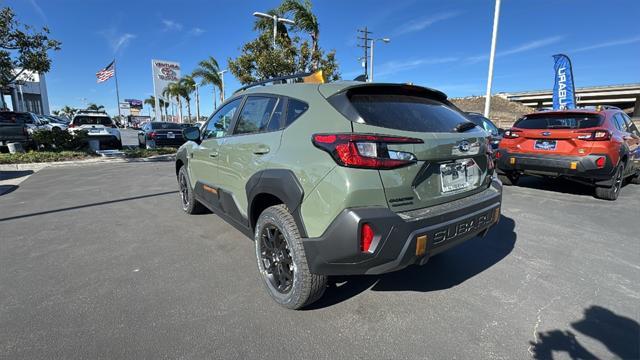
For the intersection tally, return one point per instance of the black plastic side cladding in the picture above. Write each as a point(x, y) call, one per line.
point(282, 184)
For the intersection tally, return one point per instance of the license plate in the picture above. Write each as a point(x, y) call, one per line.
point(545, 145)
point(171, 135)
point(459, 175)
point(93, 131)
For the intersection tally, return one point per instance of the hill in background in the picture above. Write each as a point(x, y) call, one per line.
point(503, 112)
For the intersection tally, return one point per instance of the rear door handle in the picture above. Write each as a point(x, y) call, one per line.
point(213, 154)
point(261, 150)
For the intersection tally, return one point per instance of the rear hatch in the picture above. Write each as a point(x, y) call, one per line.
point(449, 153)
point(167, 131)
point(95, 125)
point(554, 133)
point(12, 126)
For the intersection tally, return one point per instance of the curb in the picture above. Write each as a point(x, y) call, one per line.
point(39, 166)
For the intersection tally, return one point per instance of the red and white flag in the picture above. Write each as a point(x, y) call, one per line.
point(106, 73)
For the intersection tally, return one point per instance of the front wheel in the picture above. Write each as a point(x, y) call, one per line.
point(282, 262)
point(187, 199)
point(611, 193)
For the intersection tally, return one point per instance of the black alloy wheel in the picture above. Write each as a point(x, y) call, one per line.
point(276, 258)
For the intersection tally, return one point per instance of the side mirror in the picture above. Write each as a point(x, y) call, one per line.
point(191, 133)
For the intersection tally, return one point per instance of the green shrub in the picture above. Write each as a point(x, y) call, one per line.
point(142, 153)
point(60, 140)
point(44, 156)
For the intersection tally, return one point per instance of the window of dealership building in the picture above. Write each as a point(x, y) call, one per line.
point(29, 93)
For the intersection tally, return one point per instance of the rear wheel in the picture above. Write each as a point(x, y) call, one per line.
point(611, 193)
point(189, 204)
point(282, 262)
point(509, 178)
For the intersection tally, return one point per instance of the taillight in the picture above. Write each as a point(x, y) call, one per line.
point(151, 135)
point(511, 134)
point(594, 135)
point(72, 125)
point(366, 237)
point(601, 161)
point(366, 151)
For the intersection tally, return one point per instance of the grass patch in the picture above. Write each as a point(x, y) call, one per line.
point(143, 153)
point(44, 156)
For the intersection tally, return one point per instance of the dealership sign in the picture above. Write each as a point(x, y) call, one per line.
point(164, 72)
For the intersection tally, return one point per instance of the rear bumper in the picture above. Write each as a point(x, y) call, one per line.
point(555, 165)
point(168, 142)
point(337, 251)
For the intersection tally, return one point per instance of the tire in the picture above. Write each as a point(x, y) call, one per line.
point(282, 262)
point(187, 200)
point(635, 179)
point(611, 193)
point(119, 145)
point(509, 179)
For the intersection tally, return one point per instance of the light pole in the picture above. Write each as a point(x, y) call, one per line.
point(494, 38)
point(373, 41)
point(221, 73)
point(276, 20)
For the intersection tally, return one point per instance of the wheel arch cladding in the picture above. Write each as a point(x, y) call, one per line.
point(181, 160)
point(274, 186)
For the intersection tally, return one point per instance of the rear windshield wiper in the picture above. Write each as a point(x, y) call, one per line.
point(464, 126)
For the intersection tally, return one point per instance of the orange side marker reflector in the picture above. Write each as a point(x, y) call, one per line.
point(512, 161)
point(574, 165)
point(496, 215)
point(421, 245)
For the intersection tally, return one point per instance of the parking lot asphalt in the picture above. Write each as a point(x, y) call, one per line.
point(100, 262)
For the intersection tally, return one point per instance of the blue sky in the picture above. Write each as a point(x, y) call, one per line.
point(441, 44)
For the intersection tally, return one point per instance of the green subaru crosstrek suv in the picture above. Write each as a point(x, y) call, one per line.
point(340, 179)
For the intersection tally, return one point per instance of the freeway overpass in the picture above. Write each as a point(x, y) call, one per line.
point(625, 96)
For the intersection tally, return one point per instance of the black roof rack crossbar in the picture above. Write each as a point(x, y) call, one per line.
point(280, 78)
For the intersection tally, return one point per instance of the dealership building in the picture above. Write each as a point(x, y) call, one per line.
point(29, 93)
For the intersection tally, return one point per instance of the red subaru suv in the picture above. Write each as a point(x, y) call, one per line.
point(599, 147)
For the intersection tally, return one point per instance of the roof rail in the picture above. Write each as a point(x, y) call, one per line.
point(609, 107)
point(281, 79)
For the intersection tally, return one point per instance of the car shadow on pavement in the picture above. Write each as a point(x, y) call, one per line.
point(555, 185)
point(5, 189)
point(619, 334)
point(14, 174)
point(77, 207)
point(443, 271)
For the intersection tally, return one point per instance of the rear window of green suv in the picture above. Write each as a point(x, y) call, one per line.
point(405, 112)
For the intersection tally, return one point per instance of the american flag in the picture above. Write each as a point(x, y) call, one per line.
point(106, 73)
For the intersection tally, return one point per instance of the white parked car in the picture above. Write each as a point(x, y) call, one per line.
point(52, 123)
point(98, 125)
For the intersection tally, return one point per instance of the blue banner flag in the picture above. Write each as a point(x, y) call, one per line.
point(564, 91)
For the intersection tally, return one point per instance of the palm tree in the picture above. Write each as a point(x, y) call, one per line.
point(68, 111)
point(187, 86)
point(173, 91)
point(208, 72)
point(95, 107)
point(306, 21)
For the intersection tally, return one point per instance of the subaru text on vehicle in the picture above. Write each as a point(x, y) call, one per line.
point(340, 179)
point(599, 147)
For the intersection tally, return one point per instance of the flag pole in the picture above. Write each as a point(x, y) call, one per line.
point(115, 74)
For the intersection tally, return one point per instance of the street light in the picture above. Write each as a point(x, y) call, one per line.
point(276, 20)
point(494, 38)
point(221, 73)
point(373, 41)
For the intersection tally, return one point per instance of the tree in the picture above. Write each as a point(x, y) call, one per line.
point(173, 91)
point(208, 72)
point(95, 107)
point(151, 101)
point(306, 21)
point(22, 49)
point(186, 87)
point(67, 111)
point(260, 60)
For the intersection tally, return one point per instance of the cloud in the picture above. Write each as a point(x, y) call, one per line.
point(607, 44)
point(531, 45)
point(117, 41)
point(392, 67)
point(38, 9)
point(419, 24)
point(171, 25)
point(196, 31)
